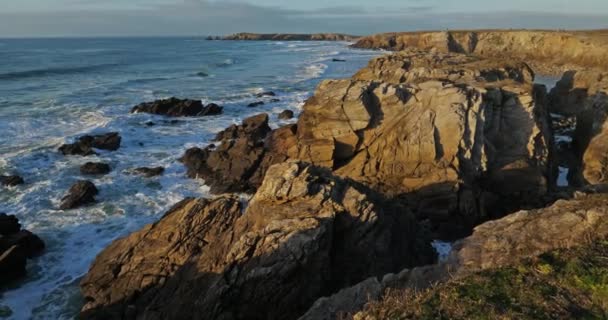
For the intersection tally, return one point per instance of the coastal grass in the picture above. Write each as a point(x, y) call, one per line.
point(563, 284)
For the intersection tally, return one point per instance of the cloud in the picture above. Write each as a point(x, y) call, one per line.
point(199, 17)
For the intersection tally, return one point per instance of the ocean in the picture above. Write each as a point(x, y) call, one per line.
point(54, 90)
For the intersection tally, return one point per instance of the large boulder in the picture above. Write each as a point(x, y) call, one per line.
point(81, 193)
point(16, 246)
point(174, 107)
point(304, 234)
point(84, 145)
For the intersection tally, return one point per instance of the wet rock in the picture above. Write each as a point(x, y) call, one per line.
point(286, 115)
point(9, 224)
point(84, 145)
point(150, 172)
point(255, 104)
point(229, 166)
point(305, 233)
point(95, 168)
point(266, 94)
point(175, 107)
point(338, 60)
point(81, 193)
point(16, 246)
point(11, 181)
point(274, 100)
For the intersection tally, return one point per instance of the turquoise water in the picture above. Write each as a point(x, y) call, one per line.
point(52, 90)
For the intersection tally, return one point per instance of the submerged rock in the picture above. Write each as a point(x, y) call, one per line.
point(266, 94)
point(150, 172)
point(255, 104)
point(85, 144)
point(16, 246)
point(95, 168)
point(11, 181)
point(286, 115)
point(81, 193)
point(304, 234)
point(175, 107)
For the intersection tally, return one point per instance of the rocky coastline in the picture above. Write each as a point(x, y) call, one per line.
point(448, 138)
point(286, 37)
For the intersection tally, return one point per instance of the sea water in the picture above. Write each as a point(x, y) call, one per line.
point(53, 90)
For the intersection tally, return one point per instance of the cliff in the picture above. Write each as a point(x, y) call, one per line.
point(550, 52)
point(291, 37)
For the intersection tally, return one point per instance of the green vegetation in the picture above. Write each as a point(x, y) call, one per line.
point(564, 284)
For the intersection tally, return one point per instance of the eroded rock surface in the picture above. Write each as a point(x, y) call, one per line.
point(305, 234)
point(174, 107)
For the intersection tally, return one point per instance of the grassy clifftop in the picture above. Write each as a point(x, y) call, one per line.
point(562, 284)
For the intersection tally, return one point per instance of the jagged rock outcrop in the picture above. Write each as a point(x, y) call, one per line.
point(461, 138)
point(16, 246)
point(231, 166)
point(84, 145)
point(291, 37)
point(495, 244)
point(547, 51)
point(583, 95)
point(305, 234)
point(80, 193)
point(174, 107)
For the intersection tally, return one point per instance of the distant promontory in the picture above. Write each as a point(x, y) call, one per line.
point(287, 37)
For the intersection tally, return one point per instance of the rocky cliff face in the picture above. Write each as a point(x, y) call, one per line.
point(461, 138)
point(547, 51)
point(496, 244)
point(291, 37)
point(304, 234)
point(583, 96)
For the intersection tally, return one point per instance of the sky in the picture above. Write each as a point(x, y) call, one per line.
point(46, 18)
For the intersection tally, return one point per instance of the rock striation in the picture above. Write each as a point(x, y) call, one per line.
point(551, 52)
point(16, 246)
point(291, 37)
point(174, 107)
point(305, 234)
